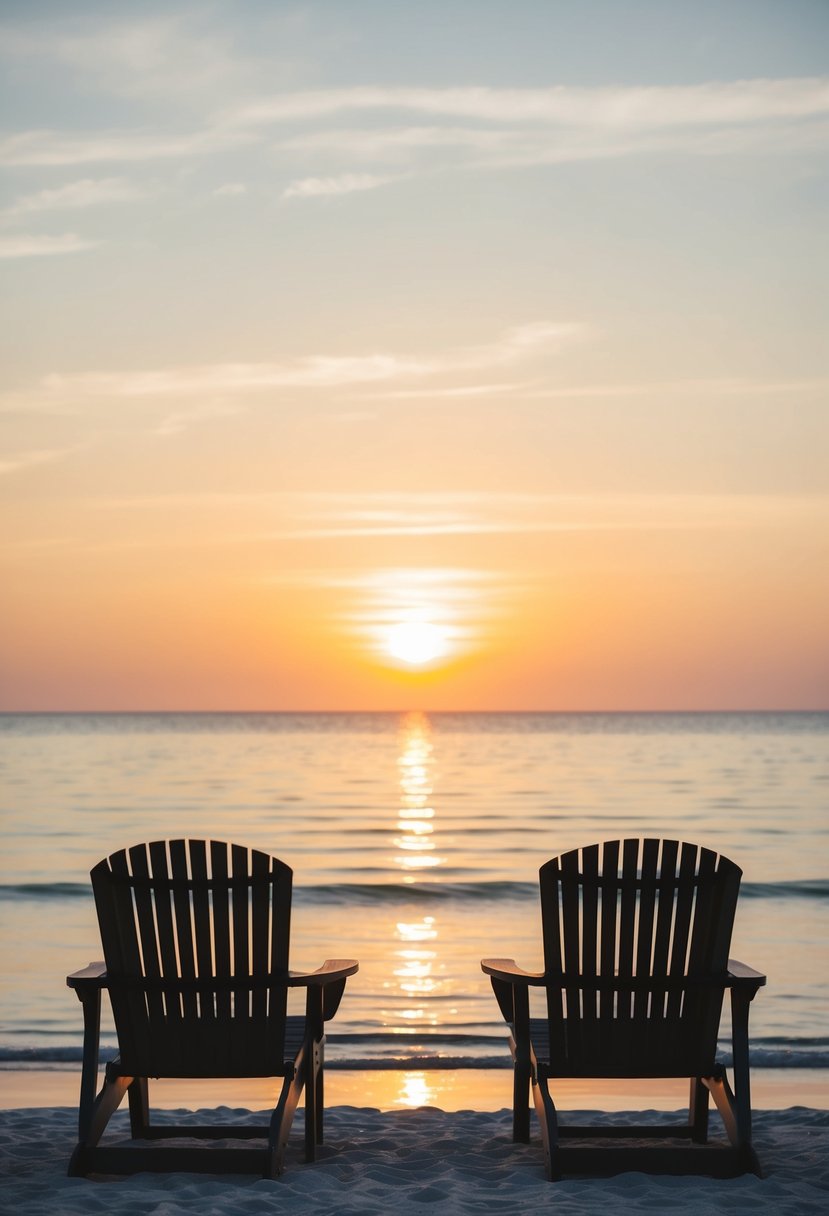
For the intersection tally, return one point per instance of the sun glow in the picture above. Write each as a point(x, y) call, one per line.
point(416, 642)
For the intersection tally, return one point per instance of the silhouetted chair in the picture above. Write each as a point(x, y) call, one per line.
point(636, 939)
point(195, 941)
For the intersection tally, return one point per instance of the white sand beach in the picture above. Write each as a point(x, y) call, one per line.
point(407, 1161)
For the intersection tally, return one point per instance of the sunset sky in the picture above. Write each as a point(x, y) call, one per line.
point(365, 355)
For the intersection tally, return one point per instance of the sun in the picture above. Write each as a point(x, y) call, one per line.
point(416, 642)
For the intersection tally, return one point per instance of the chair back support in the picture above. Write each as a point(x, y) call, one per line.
point(195, 937)
point(636, 944)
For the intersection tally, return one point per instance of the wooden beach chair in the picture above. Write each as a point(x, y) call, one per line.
point(195, 941)
point(636, 937)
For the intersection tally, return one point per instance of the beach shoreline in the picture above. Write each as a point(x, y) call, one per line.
point(480, 1089)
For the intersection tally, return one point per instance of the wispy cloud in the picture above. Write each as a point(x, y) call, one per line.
point(230, 190)
point(88, 192)
point(43, 246)
point(614, 108)
point(28, 460)
point(62, 148)
point(485, 514)
point(345, 183)
point(311, 515)
point(499, 127)
point(182, 420)
point(522, 342)
point(457, 598)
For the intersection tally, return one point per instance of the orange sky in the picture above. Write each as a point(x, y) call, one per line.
point(306, 338)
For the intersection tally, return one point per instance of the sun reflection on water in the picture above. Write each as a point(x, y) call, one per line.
point(415, 967)
point(415, 1090)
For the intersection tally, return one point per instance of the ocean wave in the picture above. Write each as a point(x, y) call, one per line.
point(440, 1052)
point(45, 890)
point(350, 893)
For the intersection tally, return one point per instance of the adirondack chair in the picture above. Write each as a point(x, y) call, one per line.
point(195, 941)
point(636, 936)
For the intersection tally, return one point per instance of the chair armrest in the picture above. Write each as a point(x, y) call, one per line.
point(508, 971)
point(331, 971)
point(324, 988)
point(92, 975)
point(739, 975)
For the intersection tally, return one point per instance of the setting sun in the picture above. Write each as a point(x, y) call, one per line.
point(416, 642)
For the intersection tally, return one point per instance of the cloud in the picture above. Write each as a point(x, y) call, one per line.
point(43, 246)
point(27, 460)
point(44, 147)
point(181, 420)
point(88, 192)
point(230, 190)
point(345, 183)
point(341, 516)
point(499, 127)
point(612, 108)
point(514, 345)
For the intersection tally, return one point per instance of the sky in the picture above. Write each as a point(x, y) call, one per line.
point(460, 355)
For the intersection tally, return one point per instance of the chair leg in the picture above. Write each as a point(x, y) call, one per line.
point(698, 1111)
point(283, 1115)
point(138, 1098)
point(313, 1128)
point(106, 1103)
point(723, 1096)
point(740, 1002)
point(321, 1095)
point(91, 1006)
point(521, 1104)
point(548, 1121)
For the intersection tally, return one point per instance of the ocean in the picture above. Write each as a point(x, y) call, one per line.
point(415, 841)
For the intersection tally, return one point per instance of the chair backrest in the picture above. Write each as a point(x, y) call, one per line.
point(636, 936)
point(195, 937)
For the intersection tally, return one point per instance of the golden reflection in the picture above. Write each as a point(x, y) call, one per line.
point(417, 931)
point(415, 970)
point(415, 815)
point(415, 1090)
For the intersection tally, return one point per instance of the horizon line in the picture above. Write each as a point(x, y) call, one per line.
point(394, 712)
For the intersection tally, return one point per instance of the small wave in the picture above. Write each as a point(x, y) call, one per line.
point(45, 890)
point(400, 892)
point(441, 1052)
point(349, 893)
point(801, 888)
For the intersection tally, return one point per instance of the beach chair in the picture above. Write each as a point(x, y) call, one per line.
point(195, 941)
point(636, 936)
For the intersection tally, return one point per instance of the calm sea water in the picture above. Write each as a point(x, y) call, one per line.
point(415, 842)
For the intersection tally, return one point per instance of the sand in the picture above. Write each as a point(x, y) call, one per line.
point(405, 1162)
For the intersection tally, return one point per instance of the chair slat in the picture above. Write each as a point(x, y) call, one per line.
point(184, 926)
point(644, 937)
point(589, 934)
point(682, 922)
point(550, 888)
point(240, 910)
point(221, 926)
point(607, 944)
point(122, 952)
point(571, 933)
point(260, 926)
point(166, 930)
point(202, 924)
point(139, 864)
point(627, 921)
